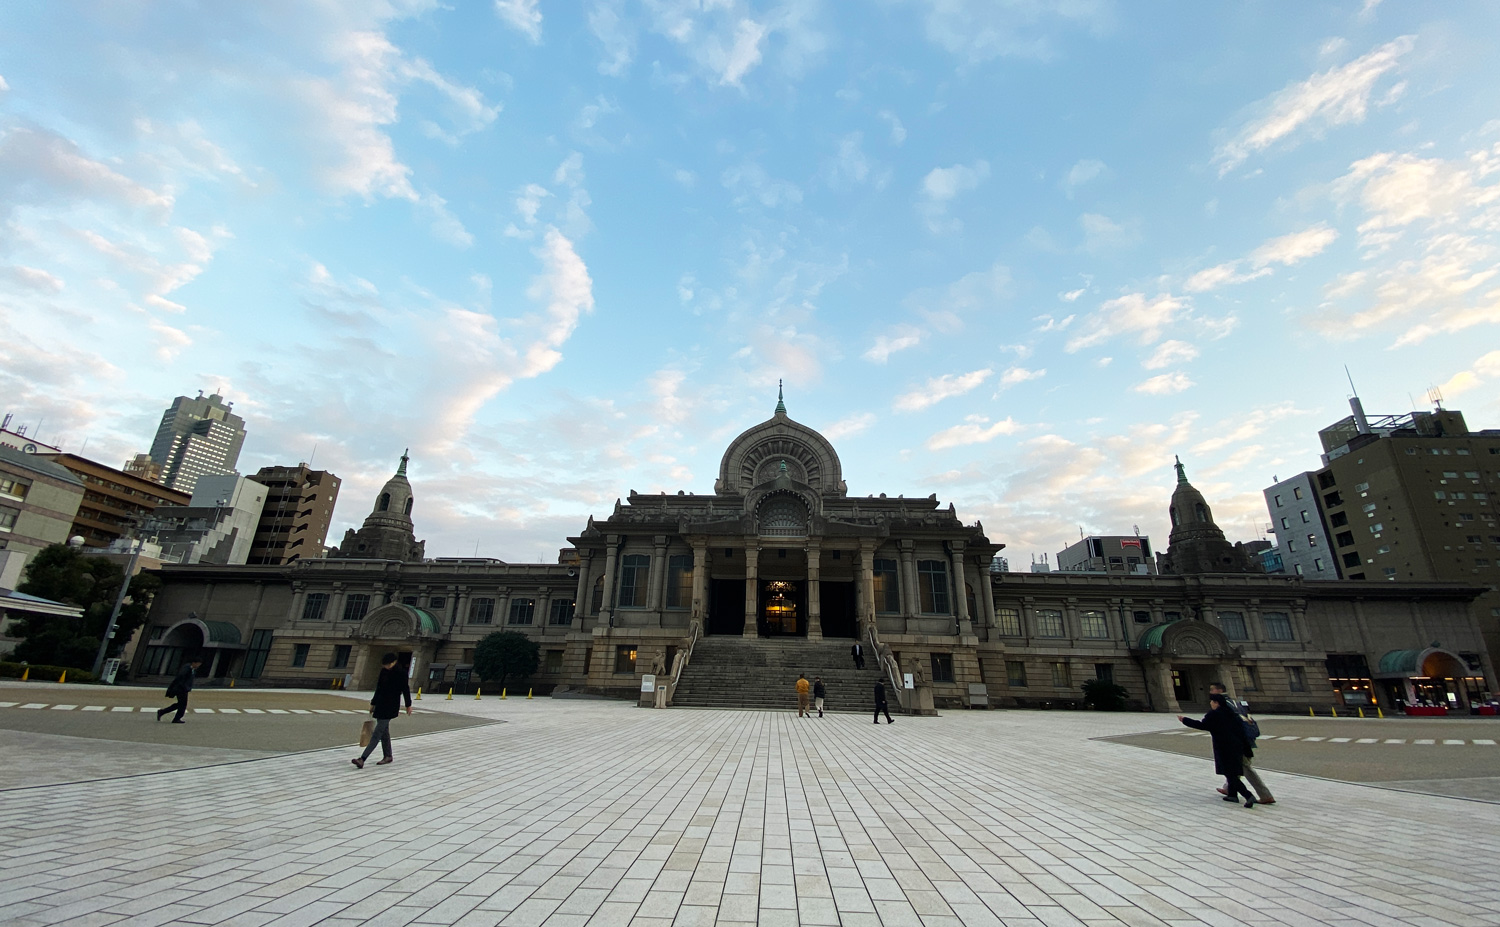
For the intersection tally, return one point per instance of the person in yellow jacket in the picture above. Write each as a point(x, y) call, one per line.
point(804, 693)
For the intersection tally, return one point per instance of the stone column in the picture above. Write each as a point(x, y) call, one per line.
point(335, 611)
point(542, 616)
point(700, 579)
point(611, 557)
point(814, 593)
point(299, 601)
point(911, 599)
point(961, 591)
point(866, 591)
point(655, 585)
point(456, 614)
point(752, 598)
point(1227, 677)
point(986, 596)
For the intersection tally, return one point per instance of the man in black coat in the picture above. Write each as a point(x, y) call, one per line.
point(179, 688)
point(385, 704)
point(858, 653)
point(880, 704)
point(1230, 745)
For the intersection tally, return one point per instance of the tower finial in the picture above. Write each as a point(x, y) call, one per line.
point(1181, 470)
point(780, 402)
point(401, 470)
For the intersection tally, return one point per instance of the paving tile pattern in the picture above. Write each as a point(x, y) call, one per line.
point(579, 813)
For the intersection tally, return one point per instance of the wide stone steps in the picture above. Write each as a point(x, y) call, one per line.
point(731, 672)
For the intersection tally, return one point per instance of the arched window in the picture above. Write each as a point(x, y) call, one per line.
point(385, 501)
point(1202, 511)
point(407, 511)
point(784, 517)
point(596, 602)
point(1173, 512)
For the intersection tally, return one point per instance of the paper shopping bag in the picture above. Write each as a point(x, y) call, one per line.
point(366, 731)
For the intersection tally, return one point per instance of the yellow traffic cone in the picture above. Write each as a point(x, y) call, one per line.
point(502, 693)
point(528, 693)
point(1378, 712)
point(450, 693)
point(477, 693)
point(419, 693)
point(63, 677)
point(1333, 711)
point(231, 682)
point(1361, 712)
point(1310, 712)
point(25, 674)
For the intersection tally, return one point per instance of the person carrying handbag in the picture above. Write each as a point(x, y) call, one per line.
point(385, 704)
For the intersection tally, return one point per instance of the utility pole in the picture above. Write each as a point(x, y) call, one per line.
point(114, 615)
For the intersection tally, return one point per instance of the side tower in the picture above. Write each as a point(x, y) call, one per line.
point(387, 531)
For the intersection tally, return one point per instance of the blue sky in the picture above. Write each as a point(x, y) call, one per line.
point(1016, 254)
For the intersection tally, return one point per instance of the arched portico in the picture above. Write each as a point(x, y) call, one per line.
point(217, 642)
point(1181, 659)
point(1431, 677)
point(412, 633)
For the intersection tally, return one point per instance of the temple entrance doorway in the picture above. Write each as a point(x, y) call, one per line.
point(837, 600)
point(783, 609)
point(726, 607)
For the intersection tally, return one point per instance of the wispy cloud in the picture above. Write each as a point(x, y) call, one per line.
point(901, 338)
point(1085, 171)
point(1337, 96)
point(1014, 375)
point(943, 185)
point(937, 389)
point(1134, 315)
point(524, 16)
point(1164, 385)
point(975, 430)
point(1168, 353)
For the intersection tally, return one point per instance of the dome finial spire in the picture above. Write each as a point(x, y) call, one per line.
point(780, 402)
point(401, 470)
point(1181, 470)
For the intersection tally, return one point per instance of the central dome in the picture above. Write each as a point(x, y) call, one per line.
point(756, 457)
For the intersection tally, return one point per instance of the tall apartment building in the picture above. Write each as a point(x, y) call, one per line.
point(1400, 498)
point(114, 502)
point(298, 512)
point(197, 437)
point(38, 502)
point(216, 526)
point(1110, 554)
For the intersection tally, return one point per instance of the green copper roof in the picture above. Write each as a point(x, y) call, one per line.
point(1181, 470)
point(222, 632)
point(429, 623)
point(1151, 637)
point(780, 404)
point(1400, 661)
point(401, 470)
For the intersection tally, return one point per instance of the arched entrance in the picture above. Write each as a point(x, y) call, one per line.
point(412, 634)
point(1429, 679)
point(216, 642)
point(1181, 659)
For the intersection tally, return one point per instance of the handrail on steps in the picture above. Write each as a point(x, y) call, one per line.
point(888, 663)
point(683, 657)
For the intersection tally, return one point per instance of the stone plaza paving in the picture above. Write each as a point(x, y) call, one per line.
point(599, 813)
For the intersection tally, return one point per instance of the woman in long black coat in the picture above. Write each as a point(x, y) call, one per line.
point(1230, 746)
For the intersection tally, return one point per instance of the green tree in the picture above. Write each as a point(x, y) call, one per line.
point(1104, 696)
point(502, 654)
point(64, 574)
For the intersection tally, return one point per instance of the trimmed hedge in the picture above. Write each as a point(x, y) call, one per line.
point(44, 673)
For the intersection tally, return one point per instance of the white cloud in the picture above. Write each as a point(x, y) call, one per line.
point(1164, 385)
point(1053, 324)
point(1014, 375)
point(744, 54)
point(898, 131)
point(1294, 248)
point(1485, 369)
point(899, 339)
point(32, 278)
point(1132, 314)
point(980, 30)
point(1168, 353)
point(1234, 433)
point(849, 425)
point(568, 292)
point(1081, 173)
point(607, 22)
point(944, 183)
point(1072, 295)
point(1220, 275)
point(1337, 96)
point(851, 167)
point(939, 388)
point(1101, 233)
point(975, 430)
point(523, 16)
point(36, 164)
point(749, 182)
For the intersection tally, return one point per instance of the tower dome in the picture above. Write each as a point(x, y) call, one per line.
point(387, 533)
point(779, 447)
point(1196, 543)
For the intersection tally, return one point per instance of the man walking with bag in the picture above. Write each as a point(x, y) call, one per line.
point(1252, 731)
point(179, 688)
point(385, 704)
point(858, 653)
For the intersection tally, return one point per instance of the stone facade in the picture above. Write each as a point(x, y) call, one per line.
point(781, 549)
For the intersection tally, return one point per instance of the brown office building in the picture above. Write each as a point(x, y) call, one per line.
point(114, 501)
point(1403, 498)
point(298, 510)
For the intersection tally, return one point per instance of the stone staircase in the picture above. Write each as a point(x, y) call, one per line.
point(732, 672)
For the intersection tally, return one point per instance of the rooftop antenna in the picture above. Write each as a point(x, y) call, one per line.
point(1361, 424)
point(313, 456)
point(1435, 396)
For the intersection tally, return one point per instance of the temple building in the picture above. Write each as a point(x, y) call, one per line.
point(727, 596)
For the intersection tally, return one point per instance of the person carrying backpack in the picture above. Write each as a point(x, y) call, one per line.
point(1252, 731)
point(1230, 746)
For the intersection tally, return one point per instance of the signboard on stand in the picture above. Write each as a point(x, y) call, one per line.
point(648, 683)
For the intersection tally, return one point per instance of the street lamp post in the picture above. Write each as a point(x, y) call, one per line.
point(114, 614)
